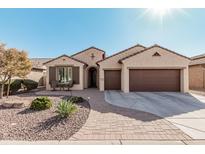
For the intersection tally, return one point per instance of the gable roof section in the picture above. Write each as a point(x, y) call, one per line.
point(120, 61)
point(87, 50)
point(67, 57)
point(138, 45)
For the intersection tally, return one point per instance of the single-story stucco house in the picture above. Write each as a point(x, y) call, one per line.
point(197, 72)
point(134, 69)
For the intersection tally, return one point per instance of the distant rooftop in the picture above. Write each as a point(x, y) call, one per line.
point(198, 56)
point(199, 59)
point(37, 63)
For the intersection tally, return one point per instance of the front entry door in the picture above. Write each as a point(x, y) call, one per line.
point(92, 77)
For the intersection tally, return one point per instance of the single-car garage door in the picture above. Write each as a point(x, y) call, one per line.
point(154, 80)
point(112, 79)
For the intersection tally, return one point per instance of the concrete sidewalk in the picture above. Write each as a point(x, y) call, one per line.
point(105, 142)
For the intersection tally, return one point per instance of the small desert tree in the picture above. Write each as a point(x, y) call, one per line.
point(18, 65)
point(13, 63)
point(3, 75)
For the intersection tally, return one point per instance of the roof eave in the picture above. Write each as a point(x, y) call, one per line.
point(65, 56)
point(38, 68)
point(138, 45)
point(155, 45)
point(120, 61)
point(92, 47)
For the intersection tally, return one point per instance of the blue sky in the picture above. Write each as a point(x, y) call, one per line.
point(52, 32)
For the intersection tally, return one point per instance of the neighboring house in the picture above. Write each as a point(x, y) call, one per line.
point(38, 70)
point(197, 72)
point(135, 69)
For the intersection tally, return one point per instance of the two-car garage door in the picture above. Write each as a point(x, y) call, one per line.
point(154, 80)
point(145, 80)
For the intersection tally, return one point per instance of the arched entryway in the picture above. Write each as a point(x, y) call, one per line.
point(92, 77)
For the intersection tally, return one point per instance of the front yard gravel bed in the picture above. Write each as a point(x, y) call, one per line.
point(26, 124)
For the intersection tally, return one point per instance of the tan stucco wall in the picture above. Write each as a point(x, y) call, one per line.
point(146, 60)
point(86, 57)
point(112, 64)
point(196, 77)
point(38, 76)
point(65, 61)
point(184, 74)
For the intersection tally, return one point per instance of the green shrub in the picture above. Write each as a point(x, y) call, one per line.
point(75, 99)
point(15, 86)
point(41, 103)
point(30, 84)
point(65, 108)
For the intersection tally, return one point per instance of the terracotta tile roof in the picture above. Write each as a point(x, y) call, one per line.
point(87, 50)
point(138, 45)
point(120, 61)
point(65, 56)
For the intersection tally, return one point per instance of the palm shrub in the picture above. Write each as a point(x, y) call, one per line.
point(66, 108)
point(41, 103)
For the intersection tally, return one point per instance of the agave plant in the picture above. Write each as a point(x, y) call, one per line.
point(66, 108)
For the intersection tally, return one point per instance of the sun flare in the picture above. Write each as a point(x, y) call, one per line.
point(160, 11)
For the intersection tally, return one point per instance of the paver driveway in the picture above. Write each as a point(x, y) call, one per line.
point(186, 111)
point(108, 122)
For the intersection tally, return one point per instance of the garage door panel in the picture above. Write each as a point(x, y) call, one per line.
point(154, 80)
point(112, 79)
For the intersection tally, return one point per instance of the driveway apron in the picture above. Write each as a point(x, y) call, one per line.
point(185, 111)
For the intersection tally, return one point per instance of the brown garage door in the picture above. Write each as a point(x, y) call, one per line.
point(112, 80)
point(154, 80)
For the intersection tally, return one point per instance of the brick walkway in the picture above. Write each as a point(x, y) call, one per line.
point(107, 122)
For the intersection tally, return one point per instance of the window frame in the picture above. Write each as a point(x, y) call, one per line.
point(67, 69)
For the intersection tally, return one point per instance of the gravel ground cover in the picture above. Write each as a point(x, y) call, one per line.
point(26, 124)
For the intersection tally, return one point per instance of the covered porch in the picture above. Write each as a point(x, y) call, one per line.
point(64, 73)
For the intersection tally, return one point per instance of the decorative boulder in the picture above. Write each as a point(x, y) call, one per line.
point(12, 104)
point(18, 105)
point(7, 105)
